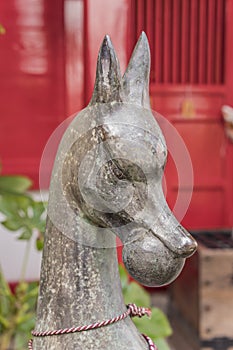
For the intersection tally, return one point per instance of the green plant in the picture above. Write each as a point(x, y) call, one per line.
point(158, 326)
point(22, 214)
point(17, 314)
point(24, 217)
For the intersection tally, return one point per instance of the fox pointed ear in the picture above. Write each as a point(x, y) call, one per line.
point(108, 83)
point(137, 74)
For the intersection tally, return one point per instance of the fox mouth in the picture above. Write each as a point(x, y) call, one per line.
point(150, 262)
point(153, 259)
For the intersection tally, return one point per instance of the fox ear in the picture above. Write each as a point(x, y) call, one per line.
point(137, 74)
point(108, 83)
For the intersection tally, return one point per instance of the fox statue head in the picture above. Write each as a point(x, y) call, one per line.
point(107, 176)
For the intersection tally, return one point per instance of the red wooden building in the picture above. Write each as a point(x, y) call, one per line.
point(47, 70)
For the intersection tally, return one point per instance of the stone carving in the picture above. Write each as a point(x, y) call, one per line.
point(106, 182)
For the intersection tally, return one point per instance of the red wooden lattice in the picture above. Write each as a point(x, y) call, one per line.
point(191, 54)
point(186, 37)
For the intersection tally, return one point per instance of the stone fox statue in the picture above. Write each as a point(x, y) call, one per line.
point(106, 182)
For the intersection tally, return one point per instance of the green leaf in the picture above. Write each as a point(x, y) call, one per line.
point(161, 344)
point(23, 213)
point(4, 322)
point(6, 297)
point(39, 244)
point(29, 293)
point(27, 324)
point(14, 205)
point(38, 215)
point(26, 234)
point(123, 276)
point(17, 313)
point(24, 318)
point(11, 225)
point(39, 208)
point(21, 340)
point(18, 184)
point(136, 294)
point(157, 326)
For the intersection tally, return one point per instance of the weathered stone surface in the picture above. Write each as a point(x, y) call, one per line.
point(106, 182)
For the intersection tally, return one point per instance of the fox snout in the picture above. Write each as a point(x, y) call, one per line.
point(173, 235)
point(158, 255)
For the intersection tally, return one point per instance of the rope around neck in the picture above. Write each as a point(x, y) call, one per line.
point(132, 311)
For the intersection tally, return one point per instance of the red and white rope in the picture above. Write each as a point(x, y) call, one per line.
point(152, 346)
point(132, 311)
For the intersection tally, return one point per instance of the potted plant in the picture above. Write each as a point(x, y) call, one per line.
point(23, 215)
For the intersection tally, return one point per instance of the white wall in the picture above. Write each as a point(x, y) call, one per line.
point(12, 253)
point(11, 257)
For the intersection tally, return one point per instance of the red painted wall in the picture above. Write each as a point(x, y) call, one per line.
point(32, 81)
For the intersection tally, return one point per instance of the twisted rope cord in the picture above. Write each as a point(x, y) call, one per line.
point(132, 311)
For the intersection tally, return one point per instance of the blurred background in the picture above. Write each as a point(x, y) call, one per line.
point(48, 52)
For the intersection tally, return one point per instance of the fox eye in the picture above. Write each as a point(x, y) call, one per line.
point(116, 170)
